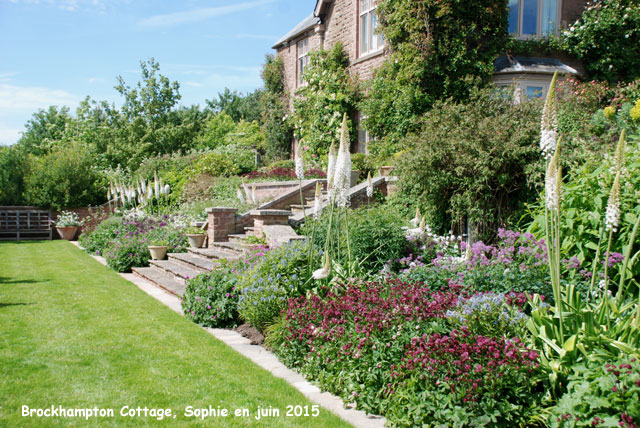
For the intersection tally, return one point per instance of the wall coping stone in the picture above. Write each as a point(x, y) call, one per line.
point(220, 209)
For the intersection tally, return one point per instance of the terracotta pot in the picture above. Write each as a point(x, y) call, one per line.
point(158, 252)
point(196, 240)
point(67, 232)
point(385, 171)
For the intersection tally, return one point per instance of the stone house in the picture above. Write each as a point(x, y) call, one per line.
point(353, 22)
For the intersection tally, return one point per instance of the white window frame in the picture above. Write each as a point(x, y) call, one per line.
point(368, 41)
point(520, 24)
point(521, 84)
point(364, 137)
point(303, 59)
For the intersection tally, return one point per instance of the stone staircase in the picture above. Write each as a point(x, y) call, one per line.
point(227, 233)
point(172, 274)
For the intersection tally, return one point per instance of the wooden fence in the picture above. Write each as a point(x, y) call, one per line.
point(19, 223)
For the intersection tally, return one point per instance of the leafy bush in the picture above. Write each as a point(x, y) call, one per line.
point(363, 163)
point(13, 164)
point(604, 24)
point(122, 255)
point(466, 379)
point(123, 240)
point(216, 165)
point(243, 158)
point(438, 49)
point(65, 177)
point(211, 299)
point(284, 174)
point(375, 235)
point(473, 160)
point(319, 105)
point(275, 108)
point(281, 273)
point(606, 395)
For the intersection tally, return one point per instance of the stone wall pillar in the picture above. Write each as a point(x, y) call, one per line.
point(222, 223)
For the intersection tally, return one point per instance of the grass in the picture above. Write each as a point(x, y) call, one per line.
point(75, 334)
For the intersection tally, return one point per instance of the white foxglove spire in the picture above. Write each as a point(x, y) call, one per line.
point(342, 177)
point(369, 186)
point(612, 215)
point(549, 122)
point(156, 185)
point(552, 184)
point(166, 190)
point(299, 163)
point(331, 167)
point(317, 201)
point(240, 195)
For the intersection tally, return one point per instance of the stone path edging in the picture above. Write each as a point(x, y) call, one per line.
point(262, 357)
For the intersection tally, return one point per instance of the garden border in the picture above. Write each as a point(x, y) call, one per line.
point(262, 357)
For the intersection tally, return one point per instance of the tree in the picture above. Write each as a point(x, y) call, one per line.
point(44, 129)
point(439, 49)
point(274, 102)
point(13, 163)
point(237, 106)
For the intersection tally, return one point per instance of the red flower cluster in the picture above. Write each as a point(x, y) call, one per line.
point(468, 364)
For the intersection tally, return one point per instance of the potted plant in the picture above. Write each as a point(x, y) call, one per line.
point(67, 225)
point(195, 235)
point(158, 249)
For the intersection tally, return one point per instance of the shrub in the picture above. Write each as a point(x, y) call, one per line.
point(275, 108)
point(375, 235)
point(284, 174)
point(601, 395)
point(211, 299)
point(467, 379)
point(604, 24)
point(95, 240)
point(122, 255)
point(216, 165)
point(242, 157)
point(363, 163)
point(281, 273)
point(65, 177)
point(473, 160)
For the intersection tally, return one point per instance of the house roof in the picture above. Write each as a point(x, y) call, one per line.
point(320, 6)
point(520, 64)
point(307, 23)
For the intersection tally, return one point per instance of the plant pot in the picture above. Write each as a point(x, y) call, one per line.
point(67, 232)
point(385, 171)
point(158, 252)
point(196, 240)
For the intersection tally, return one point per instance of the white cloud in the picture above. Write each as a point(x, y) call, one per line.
point(70, 5)
point(33, 98)
point(195, 15)
point(96, 80)
point(193, 84)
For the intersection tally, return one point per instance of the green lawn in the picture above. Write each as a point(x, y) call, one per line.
point(74, 334)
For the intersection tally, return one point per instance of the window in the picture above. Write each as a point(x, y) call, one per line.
point(369, 40)
point(363, 136)
point(531, 18)
point(303, 59)
point(534, 91)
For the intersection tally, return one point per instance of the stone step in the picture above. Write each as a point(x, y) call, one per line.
point(231, 248)
point(161, 279)
point(251, 230)
point(193, 261)
point(238, 238)
point(180, 272)
point(297, 208)
point(210, 253)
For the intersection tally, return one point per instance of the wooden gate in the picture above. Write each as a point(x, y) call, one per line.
point(19, 223)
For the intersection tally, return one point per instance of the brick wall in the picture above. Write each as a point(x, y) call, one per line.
point(571, 10)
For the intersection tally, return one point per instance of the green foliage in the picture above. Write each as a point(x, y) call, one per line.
point(321, 103)
point(237, 106)
point(65, 177)
point(13, 167)
point(585, 196)
point(439, 49)
point(375, 236)
point(96, 239)
point(606, 38)
point(215, 165)
point(600, 394)
point(281, 273)
point(275, 108)
point(211, 299)
point(473, 159)
point(122, 255)
point(215, 131)
point(365, 164)
point(45, 129)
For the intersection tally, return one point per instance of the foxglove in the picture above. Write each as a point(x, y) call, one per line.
point(612, 215)
point(369, 186)
point(299, 164)
point(549, 123)
point(323, 272)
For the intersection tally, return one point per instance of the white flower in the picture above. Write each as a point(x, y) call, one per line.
point(156, 185)
point(549, 121)
point(166, 190)
point(417, 219)
point(342, 176)
point(369, 186)
point(299, 164)
point(317, 201)
point(612, 215)
point(240, 195)
point(323, 272)
point(553, 184)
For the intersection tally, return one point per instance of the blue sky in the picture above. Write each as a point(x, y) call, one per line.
point(56, 52)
